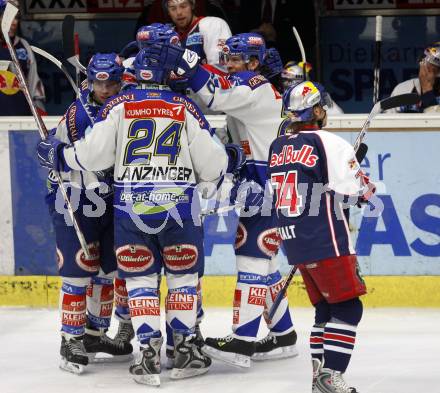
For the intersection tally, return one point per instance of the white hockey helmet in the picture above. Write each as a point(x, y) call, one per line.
point(299, 100)
point(432, 55)
point(293, 73)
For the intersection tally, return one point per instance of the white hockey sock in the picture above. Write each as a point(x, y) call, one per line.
point(181, 302)
point(100, 296)
point(72, 306)
point(281, 322)
point(249, 296)
point(143, 301)
point(122, 311)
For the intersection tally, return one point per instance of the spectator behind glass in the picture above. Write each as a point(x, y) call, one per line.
point(204, 35)
point(12, 99)
point(427, 84)
point(274, 20)
point(154, 11)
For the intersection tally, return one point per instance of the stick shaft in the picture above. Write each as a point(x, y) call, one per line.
point(377, 63)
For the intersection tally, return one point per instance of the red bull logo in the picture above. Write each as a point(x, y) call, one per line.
point(9, 84)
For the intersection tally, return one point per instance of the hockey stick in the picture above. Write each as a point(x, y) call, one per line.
point(361, 150)
point(376, 81)
point(380, 106)
point(70, 44)
point(58, 63)
point(61, 66)
point(303, 52)
point(9, 14)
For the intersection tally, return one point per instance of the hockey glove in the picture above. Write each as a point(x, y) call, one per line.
point(247, 194)
point(172, 57)
point(50, 154)
point(369, 190)
point(273, 63)
point(237, 158)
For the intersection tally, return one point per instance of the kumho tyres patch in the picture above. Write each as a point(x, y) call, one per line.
point(218, 291)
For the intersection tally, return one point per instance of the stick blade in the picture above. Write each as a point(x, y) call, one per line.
point(361, 152)
point(398, 101)
point(68, 31)
point(11, 10)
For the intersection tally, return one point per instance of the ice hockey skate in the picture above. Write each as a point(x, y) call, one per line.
point(331, 381)
point(276, 347)
point(316, 366)
point(73, 355)
point(125, 332)
point(101, 348)
point(230, 350)
point(199, 342)
point(146, 368)
point(189, 361)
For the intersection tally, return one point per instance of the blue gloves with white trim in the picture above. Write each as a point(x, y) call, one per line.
point(50, 154)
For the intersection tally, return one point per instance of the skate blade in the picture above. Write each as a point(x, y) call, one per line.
point(147, 379)
point(182, 373)
point(234, 359)
point(70, 367)
point(277, 353)
point(102, 357)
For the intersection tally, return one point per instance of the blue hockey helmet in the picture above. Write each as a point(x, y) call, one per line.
point(299, 100)
point(245, 45)
point(105, 67)
point(146, 68)
point(156, 33)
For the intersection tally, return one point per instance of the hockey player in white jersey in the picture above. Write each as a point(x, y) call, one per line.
point(87, 284)
point(161, 146)
point(254, 107)
point(204, 35)
point(426, 85)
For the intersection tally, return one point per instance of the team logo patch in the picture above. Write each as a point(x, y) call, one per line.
point(241, 236)
point(269, 241)
point(143, 36)
point(255, 40)
point(9, 84)
point(146, 75)
point(102, 76)
point(60, 259)
point(89, 265)
point(180, 257)
point(134, 258)
point(352, 164)
point(257, 296)
point(174, 40)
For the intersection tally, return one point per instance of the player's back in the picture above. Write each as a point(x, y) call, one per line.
point(307, 183)
point(162, 140)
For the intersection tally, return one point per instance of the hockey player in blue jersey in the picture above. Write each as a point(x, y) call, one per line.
point(161, 146)
point(87, 284)
point(253, 107)
point(312, 173)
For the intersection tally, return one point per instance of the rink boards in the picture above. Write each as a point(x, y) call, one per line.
point(399, 252)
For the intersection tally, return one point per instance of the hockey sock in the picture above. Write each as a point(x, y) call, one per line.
point(122, 311)
point(339, 342)
point(249, 297)
point(73, 306)
point(281, 322)
point(317, 342)
point(143, 301)
point(181, 302)
point(99, 303)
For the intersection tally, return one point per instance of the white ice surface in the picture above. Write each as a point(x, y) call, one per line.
point(397, 351)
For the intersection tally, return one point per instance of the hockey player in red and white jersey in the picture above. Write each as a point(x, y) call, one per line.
point(204, 35)
point(312, 173)
point(254, 108)
point(161, 146)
